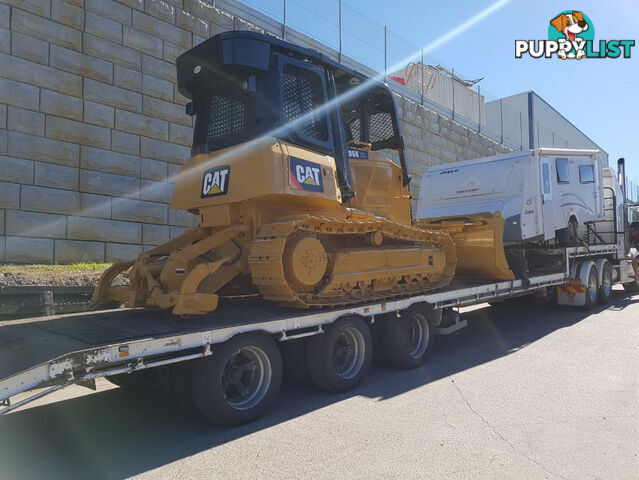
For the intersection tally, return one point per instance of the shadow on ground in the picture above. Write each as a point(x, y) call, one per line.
point(122, 432)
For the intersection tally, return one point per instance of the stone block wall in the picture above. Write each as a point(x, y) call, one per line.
point(92, 127)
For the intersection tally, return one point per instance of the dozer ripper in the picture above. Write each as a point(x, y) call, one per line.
point(295, 200)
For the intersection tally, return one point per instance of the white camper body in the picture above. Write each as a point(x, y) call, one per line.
point(537, 191)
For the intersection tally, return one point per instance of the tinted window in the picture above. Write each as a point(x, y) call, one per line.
point(563, 172)
point(545, 168)
point(302, 94)
point(586, 174)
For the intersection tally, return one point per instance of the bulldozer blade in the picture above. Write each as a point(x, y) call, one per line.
point(479, 242)
point(105, 292)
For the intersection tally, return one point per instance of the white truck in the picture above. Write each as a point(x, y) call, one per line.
point(542, 194)
point(229, 363)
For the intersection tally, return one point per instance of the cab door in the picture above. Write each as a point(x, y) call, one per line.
point(548, 205)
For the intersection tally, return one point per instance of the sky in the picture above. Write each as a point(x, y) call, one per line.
point(599, 96)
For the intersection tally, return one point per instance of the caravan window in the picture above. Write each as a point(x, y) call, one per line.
point(586, 174)
point(563, 172)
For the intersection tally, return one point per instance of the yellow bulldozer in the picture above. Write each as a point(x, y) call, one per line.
point(295, 199)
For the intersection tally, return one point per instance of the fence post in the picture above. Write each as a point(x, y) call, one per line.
point(284, 22)
point(479, 105)
point(453, 84)
point(340, 30)
point(385, 52)
point(422, 69)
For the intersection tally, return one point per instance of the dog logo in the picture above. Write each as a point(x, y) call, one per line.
point(305, 175)
point(215, 181)
point(572, 25)
point(571, 35)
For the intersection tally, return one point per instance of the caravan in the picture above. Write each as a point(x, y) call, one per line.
point(542, 194)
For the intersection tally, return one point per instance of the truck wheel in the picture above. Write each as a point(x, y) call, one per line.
point(592, 289)
point(407, 341)
point(239, 382)
point(339, 359)
point(605, 289)
point(567, 237)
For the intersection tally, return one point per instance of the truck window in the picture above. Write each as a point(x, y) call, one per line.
point(586, 174)
point(563, 173)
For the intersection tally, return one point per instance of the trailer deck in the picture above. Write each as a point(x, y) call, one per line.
point(60, 350)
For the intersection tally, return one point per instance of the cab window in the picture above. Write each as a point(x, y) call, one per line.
point(563, 172)
point(586, 174)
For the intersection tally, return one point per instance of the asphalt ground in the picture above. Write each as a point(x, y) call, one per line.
point(524, 392)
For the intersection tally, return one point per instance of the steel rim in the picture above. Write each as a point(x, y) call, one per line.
point(348, 353)
point(246, 378)
point(592, 286)
point(417, 336)
point(607, 281)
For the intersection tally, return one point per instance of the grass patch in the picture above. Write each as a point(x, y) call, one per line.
point(54, 269)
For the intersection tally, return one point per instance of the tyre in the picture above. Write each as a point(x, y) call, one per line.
point(592, 289)
point(239, 382)
point(567, 237)
point(631, 287)
point(407, 341)
point(339, 359)
point(605, 289)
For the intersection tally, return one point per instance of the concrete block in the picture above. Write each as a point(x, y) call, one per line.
point(5, 16)
point(101, 230)
point(159, 29)
point(28, 250)
point(3, 116)
point(19, 94)
point(125, 142)
point(201, 8)
point(16, 170)
point(180, 134)
point(142, 41)
point(61, 105)
point(9, 195)
point(25, 121)
point(172, 51)
point(76, 3)
point(67, 14)
point(25, 71)
point(141, 125)
point(43, 149)
point(192, 23)
point(155, 234)
point(81, 64)
point(110, 9)
point(39, 7)
point(2, 228)
point(176, 232)
point(160, 9)
point(156, 87)
point(70, 251)
point(165, 110)
point(156, 191)
point(3, 142)
point(50, 200)
point(29, 48)
point(95, 205)
point(127, 78)
point(173, 171)
point(5, 40)
point(158, 68)
point(76, 132)
point(153, 169)
point(112, 52)
point(104, 28)
point(139, 211)
point(116, 252)
point(114, 96)
point(181, 218)
point(98, 114)
point(47, 30)
point(109, 184)
point(165, 151)
point(32, 224)
point(109, 161)
point(56, 176)
point(134, 4)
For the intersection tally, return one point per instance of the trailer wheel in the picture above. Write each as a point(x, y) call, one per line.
point(567, 237)
point(339, 359)
point(605, 289)
point(239, 382)
point(407, 341)
point(592, 289)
